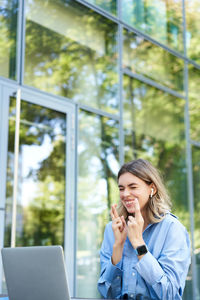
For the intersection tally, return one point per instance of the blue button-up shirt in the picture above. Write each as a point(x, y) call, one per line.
point(159, 274)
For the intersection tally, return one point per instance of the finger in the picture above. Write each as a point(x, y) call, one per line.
point(117, 221)
point(137, 209)
point(114, 211)
point(112, 216)
point(123, 222)
point(129, 223)
point(131, 219)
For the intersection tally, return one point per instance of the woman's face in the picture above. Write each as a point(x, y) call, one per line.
point(131, 187)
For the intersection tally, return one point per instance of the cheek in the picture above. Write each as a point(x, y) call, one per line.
point(121, 195)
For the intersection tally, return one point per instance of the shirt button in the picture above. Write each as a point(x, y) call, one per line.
point(133, 274)
point(131, 295)
point(118, 277)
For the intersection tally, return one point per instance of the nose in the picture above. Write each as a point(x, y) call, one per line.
point(126, 192)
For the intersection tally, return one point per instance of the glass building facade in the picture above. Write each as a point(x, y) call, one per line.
point(84, 87)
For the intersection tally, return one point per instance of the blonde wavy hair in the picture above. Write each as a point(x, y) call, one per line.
point(160, 203)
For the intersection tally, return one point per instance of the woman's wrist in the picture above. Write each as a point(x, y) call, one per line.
point(117, 253)
point(118, 244)
point(137, 243)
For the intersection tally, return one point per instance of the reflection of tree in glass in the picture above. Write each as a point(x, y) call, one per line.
point(97, 190)
point(194, 103)
point(154, 130)
point(8, 38)
point(42, 220)
point(149, 15)
point(109, 5)
point(196, 180)
point(143, 57)
point(193, 29)
point(98, 152)
point(76, 65)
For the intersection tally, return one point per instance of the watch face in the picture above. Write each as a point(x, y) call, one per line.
point(141, 250)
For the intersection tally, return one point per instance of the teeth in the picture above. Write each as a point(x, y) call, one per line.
point(129, 202)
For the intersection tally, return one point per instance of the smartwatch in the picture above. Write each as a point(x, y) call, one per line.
point(141, 250)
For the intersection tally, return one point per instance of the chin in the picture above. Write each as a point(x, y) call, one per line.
point(130, 210)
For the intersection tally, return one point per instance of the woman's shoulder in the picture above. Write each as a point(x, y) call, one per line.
point(171, 218)
point(173, 221)
point(176, 232)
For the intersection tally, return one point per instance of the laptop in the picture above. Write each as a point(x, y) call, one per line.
point(35, 273)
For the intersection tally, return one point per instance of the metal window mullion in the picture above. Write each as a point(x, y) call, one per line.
point(119, 9)
point(22, 46)
point(120, 97)
point(3, 164)
point(98, 112)
point(16, 167)
point(69, 198)
point(193, 63)
point(190, 185)
point(153, 83)
point(20, 40)
point(77, 109)
point(189, 158)
point(195, 143)
point(98, 10)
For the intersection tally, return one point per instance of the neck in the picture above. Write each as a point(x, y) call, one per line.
point(146, 219)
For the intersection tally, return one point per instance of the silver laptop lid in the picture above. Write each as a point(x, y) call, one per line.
point(35, 273)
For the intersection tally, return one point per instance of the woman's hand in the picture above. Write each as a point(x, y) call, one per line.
point(118, 226)
point(120, 234)
point(135, 227)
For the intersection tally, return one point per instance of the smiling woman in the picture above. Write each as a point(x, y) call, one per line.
point(141, 255)
point(145, 184)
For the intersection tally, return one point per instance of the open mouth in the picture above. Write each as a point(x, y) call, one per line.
point(129, 203)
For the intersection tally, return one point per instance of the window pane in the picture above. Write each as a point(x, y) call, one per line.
point(143, 57)
point(71, 51)
point(8, 37)
point(154, 130)
point(196, 187)
point(109, 5)
point(97, 190)
point(41, 176)
point(194, 102)
point(160, 19)
point(193, 29)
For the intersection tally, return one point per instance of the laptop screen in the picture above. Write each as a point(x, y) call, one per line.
point(35, 273)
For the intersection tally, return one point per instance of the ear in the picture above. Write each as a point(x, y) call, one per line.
point(153, 189)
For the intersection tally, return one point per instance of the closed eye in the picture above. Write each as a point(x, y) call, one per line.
point(132, 187)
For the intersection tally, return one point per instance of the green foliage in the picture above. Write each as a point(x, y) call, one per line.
point(109, 5)
point(154, 130)
point(40, 218)
point(80, 67)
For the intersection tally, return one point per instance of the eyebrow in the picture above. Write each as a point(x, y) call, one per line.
point(133, 183)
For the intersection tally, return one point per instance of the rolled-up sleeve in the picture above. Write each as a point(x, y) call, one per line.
point(109, 283)
point(166, 275)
